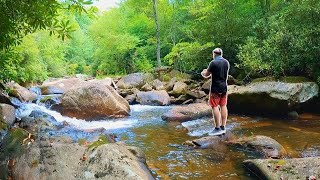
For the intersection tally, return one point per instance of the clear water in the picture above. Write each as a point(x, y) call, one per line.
point(169, 159)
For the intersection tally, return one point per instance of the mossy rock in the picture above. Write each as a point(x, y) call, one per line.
point(13, 142)
point(101, 141)
point(3, 125)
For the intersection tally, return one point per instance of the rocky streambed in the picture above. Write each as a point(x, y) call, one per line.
point(94, 137)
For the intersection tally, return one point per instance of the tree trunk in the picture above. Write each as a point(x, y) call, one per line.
point(154, 4)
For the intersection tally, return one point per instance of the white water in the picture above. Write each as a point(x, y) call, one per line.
point(108, 124)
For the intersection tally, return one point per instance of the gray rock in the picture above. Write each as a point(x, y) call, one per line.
point(154, 98)
point(180, 88)
point(146, 87)
point(92, 101)
point(55, 160)
point(187, 112)
point(59, 86)
point(20, 92)
point(297, 168)
point(135, 80)
point(7, 114)
point(158, 85)
point(270, 98)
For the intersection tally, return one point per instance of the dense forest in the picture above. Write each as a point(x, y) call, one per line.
point(41, 39)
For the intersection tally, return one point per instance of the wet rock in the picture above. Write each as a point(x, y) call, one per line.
point(264, 146)
point(135, 80)
point(187, 112)
point(180, 88)
point(209, 142)
point(297, 168)
point(20, 92)
point(278, 97)
point(153, 98)
point(59, 86)
point(7, 114)
point(92, 101)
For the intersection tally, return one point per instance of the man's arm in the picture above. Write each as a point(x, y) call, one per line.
point(205, 73)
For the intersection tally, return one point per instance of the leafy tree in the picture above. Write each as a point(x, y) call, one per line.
point(19, 18)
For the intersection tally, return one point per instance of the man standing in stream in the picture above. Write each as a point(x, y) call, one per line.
point(218, 69)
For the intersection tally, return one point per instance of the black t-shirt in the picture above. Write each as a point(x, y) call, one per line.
point(219, 69)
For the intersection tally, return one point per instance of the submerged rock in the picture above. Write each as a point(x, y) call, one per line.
point(297, 168)
point(270, 98)
point(92, 101)
point(263, 146)
point(187, 112)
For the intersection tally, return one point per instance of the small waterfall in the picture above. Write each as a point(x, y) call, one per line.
point(136, 119)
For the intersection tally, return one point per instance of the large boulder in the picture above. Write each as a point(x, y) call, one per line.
point(296, 168)
point(270, 98)
point(154, 98)
point(135, 80)
point(187, 112)
point(158, 85)
point(55, 160)
point(7, 113)
point(264, 146)
point(59, 86)
point(92, 101)
point(23, 94)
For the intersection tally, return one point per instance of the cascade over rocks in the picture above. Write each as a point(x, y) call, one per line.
point(92, 101)
point(23, 94)
point(270, 98)
point(154, 98)
point(187, 112)
point(135, 80)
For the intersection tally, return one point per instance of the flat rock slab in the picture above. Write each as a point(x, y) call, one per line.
point(297, 168)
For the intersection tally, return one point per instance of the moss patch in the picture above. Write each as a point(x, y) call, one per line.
point(102, 140)
point(3, 125)
point(82, 142)
point(13, 142)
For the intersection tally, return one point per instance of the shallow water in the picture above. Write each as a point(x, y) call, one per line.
point(169, 159)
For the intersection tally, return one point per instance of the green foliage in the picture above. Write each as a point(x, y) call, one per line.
point(19, 18)
point(190, 56)
point(290, 45)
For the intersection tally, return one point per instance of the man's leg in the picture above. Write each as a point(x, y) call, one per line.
point(217, 116)
point(224, 115)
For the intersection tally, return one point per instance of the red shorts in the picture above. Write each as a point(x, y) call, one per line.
point(216, 99)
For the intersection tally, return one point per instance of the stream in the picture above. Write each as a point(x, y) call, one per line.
point(162, 141)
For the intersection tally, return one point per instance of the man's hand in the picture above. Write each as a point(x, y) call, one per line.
point(205, 73)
